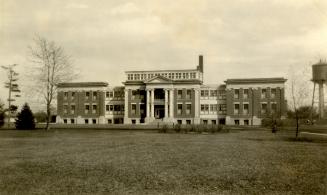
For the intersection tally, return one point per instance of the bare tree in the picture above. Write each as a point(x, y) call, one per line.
point(299, 93)
point(53, 66)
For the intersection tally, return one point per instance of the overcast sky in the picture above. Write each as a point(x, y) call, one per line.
point(239, 39)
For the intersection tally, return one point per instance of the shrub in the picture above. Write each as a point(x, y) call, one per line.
point(2, 118)
point(164, 129)
point(25, 118)
point(177, 128)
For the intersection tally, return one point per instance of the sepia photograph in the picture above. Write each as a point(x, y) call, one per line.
point(163, 97)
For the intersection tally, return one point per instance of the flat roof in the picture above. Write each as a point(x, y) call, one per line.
point(256, 80)
point(149, 71)
point(83, 84)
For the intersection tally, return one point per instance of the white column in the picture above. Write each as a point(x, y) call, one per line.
point(196, 106)
point(152, 103)
point(126, 107)
point(147, 103)
point(171, 103)
point(166, 103)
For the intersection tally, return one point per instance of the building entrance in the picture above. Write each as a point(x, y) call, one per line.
point(159, 111)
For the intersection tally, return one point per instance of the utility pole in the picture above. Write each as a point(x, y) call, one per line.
point(12, 87)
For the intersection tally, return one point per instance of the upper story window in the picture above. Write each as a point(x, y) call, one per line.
point(87, 109)
point(245, 108)
point(221, 94)
point(188, 109)
point(188, 94)
point(263, 108)
point(263, 93)
point(273, 93)
point(134, 94)
point(73, 95)
point(65, 95)
point(213, 93)
point(133, 110)
point(65, 109)
point(179, 109)
point(236, 108)
point(273, 108)
point(72, 109)
point(137, 77)
point(94, 108)
point(179, 94)
point(236, 93)
point(193, 75)
point(245, 93)
point(95, 94)
point(87, 95)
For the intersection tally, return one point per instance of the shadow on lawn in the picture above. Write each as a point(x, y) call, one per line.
point(290, 139)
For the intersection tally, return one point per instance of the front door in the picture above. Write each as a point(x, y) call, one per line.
point(159, 112)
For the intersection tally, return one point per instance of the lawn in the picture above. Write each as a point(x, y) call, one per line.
point(146, 162)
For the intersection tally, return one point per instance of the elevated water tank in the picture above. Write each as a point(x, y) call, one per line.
point(319, 72)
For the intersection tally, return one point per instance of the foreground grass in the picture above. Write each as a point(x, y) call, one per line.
point(122, 162)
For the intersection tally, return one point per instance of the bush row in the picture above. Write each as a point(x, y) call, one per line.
point(194, 128)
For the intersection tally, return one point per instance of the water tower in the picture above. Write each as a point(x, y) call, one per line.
point(319, 76)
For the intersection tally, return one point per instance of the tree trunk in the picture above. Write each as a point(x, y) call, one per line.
point(297, 127)
point(47, 127)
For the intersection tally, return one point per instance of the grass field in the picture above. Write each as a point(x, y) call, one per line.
point(146, 162)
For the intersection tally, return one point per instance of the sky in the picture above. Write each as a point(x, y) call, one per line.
point(238, 39)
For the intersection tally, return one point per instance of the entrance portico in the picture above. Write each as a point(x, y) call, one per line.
point(159, 101)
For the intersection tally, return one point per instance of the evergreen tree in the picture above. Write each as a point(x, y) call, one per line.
point(25, 118)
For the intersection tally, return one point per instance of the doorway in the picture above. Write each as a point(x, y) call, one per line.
point(159, 111)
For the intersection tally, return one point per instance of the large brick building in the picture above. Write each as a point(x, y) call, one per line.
point(172, 96)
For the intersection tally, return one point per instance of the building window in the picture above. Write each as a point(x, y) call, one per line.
point(73, 95)
point(188, 94)
point(179, 122)
point(204, 108)
point(72, 121)
point(188, 109)
point(273, 93)
point(236, 108)
point(95, 95)
point(65, 121)
point(134, 93)
point(188, 122)
point(109, 121)
point(221, 94)
point(142, 109)
point(246, 122)
point(87, 95)
point(237, 122)
point(214, 122)
point(107, 108)
point(213, 108)
point(179, 109)
point(245, 108)
point(65, 95)
point(222, 108)
point(213, 93)
point(94, 121)
point(263, 108)
point(122, 108)
point(111, 108)
point(245, 93)
point(273, 108)
point(179, 94)
point(133, 111)
point(94, 109)
point(263, 93)
point(133, 121)
point(205, 122)
point(236, 93)
point(72, 109)
point(65, 109)
point(87, 109)
point(86, 121)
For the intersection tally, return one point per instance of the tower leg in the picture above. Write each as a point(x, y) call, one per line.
point(321, 100)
